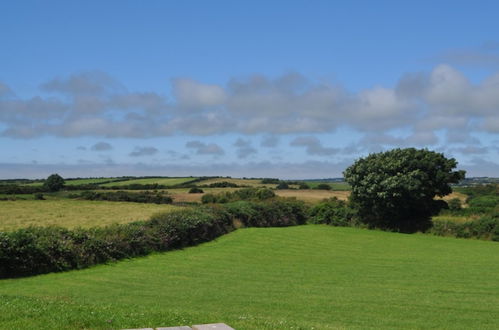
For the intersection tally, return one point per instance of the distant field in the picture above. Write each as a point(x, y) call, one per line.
point(73, 213)
point(240, 182)
point(305, 277)
point(160, 181)
point(342, 186)
point(312, 195)
point(87, 181)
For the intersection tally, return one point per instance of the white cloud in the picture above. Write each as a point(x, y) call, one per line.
point(202, 148)
point(101, 146)
point(143, 151)
point(313, 146)
point(95, 105)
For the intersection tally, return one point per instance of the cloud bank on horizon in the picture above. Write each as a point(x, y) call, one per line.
point(441, 109)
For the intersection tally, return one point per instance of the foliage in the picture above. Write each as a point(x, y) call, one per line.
point(270, 181)
point(124, 196)
point(454, 204)
point(282, 185)
point(222, 184)
point(332, 212)
point(241, 194)
point(323, 186)
point(486, 227)
point(196, 190)
point(396, 189)
point(54, 183)
point(303, 185)
point(272, 213)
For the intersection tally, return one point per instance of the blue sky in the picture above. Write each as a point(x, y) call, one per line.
point(289, 89)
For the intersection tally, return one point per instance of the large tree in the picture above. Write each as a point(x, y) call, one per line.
point(396, 189)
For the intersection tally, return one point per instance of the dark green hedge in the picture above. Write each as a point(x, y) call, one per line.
point(125, 196)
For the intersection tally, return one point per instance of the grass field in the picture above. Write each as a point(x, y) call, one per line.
point(161, 181)
point(341, 186)
point(306, 277)
point(240, 182)
point(73, 213)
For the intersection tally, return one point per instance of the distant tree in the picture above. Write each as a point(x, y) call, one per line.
point(54, 183)
point(304, 186)
point(196, 190)
point(396, 189)
point(323, 186)
point(282, 185)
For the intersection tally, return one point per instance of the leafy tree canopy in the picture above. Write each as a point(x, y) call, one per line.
point(396, 189)
point(54, 183)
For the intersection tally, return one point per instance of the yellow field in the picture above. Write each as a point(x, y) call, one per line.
point(312, 195)
point(73, 213)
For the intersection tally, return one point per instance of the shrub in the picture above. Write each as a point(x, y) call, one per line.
point(303, 186)
point(196, 190)
point(454, 204)
point(282, 185)
point(270, 181)
point(323, 186)
point(39, 196)
point(241, 194)
point(332, 212)
point(272, 213)
point(125, 196)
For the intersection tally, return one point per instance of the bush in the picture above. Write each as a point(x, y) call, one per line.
point(282, 185)
point(303, 186)
point(454, 204)
point(323, 186)
point(273, 213)
point(125, 196)
point(486, 227)
point(196, 190)
point(39, 196)
point(270, 181)
point(241, 194)
point(332, 212)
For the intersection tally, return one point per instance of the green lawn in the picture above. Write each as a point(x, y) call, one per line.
point(161, 181)
point(306, 277)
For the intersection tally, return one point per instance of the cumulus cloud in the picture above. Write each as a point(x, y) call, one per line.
point(313, 146)
point(94, 104)
point(202, 148)
point(244, 148)
point(270, 141)
point(101, 146)
point(143, 151)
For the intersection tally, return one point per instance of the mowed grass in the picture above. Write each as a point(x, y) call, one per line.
point(160, 181)
point(306, 277)
point(73, 213)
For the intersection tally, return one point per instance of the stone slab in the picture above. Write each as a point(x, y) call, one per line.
point(175, 328)
point(213, 326)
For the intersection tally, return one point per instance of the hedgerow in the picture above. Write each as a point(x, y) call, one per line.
point(38, 250)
